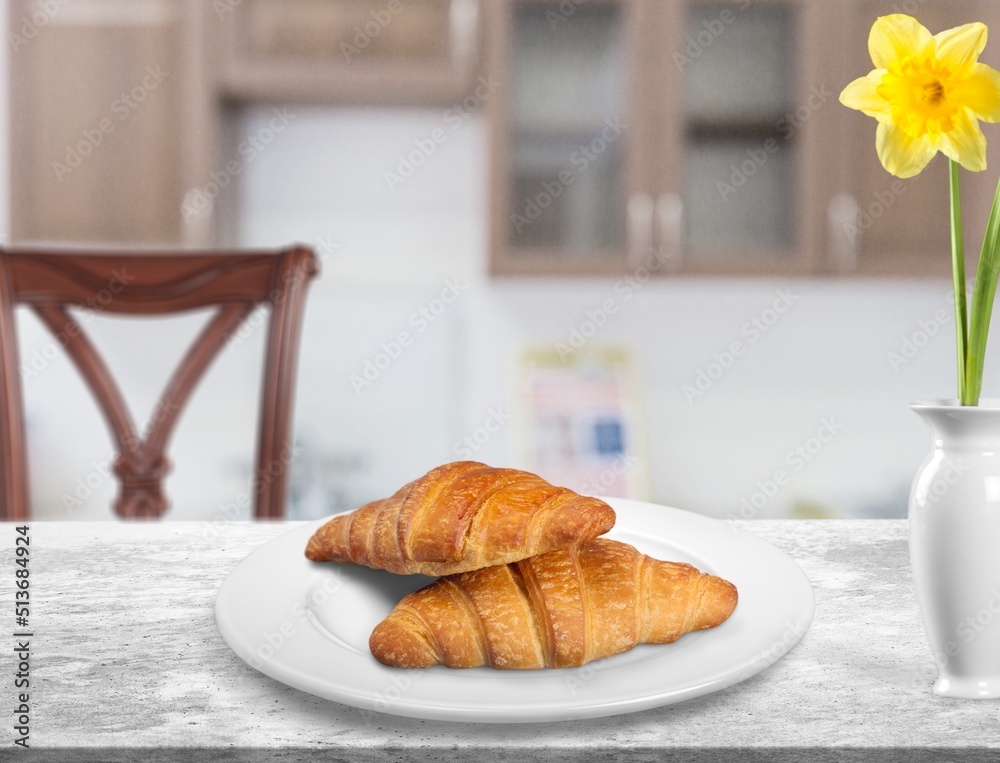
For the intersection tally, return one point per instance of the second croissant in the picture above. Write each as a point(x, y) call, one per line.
point(561, 609)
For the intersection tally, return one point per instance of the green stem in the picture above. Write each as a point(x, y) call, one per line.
point(983, 295)
point(958, 273)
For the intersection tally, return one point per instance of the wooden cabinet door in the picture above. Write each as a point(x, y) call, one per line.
point(96, 139)
point(357, 51)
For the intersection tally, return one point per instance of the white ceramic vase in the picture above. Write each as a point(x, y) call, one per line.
point(954, 517)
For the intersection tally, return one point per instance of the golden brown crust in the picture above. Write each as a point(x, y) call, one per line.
point(560, 609)
point(459, 517)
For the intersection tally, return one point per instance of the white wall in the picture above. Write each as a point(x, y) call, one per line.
point(389, 252)
point(827, 357)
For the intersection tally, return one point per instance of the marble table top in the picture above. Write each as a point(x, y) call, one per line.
point(127, 664)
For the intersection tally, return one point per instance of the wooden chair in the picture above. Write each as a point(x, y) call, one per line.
point(154, 283)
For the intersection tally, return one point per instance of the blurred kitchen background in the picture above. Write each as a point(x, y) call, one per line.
point(636, 246)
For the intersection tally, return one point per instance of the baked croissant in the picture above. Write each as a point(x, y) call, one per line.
point(561, 609)
point(458, 517)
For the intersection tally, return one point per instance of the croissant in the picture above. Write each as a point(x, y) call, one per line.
point(561, 609)
point(458, 517)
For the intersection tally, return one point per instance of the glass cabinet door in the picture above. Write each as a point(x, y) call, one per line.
point(563, 180)
point(741, 135)
point(680, 128)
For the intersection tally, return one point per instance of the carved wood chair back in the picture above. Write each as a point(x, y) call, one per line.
point(154, 283)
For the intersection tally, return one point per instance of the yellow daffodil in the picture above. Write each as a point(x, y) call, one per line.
point(928, 94)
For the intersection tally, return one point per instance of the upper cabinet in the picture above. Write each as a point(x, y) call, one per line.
point(121, 109)
point(565, 160)
point(394, 52)
point(697, 136)
point(639, 129)
point(567, 154)
point(735, 171)
point(96, 90)
point(680, 136)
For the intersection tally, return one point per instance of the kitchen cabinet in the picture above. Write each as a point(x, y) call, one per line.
point(122, 110)
point(394, 52)
point(702, 137)
point(678, 136)
point(103, 135)
point(565, 158)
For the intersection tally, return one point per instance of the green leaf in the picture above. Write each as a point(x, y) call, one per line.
point(983, 295)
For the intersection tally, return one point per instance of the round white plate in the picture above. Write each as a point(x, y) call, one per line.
point(307, 624)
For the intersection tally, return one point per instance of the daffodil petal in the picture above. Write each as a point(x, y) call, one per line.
point(861, 95)
point(900, 154)
point(980, 92)
point(959, 48)
point(894, 37)
point(965, 143)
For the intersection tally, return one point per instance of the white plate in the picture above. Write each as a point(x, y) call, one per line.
point(307, 624)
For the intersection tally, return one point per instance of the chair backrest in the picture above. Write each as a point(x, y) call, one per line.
point(154, 283)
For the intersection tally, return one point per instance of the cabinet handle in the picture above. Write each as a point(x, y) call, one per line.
point(640, 226)
point(463, 16)
point(670, 224)
point(842, 233)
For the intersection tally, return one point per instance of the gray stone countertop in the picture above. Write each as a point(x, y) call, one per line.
point(127, 664)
